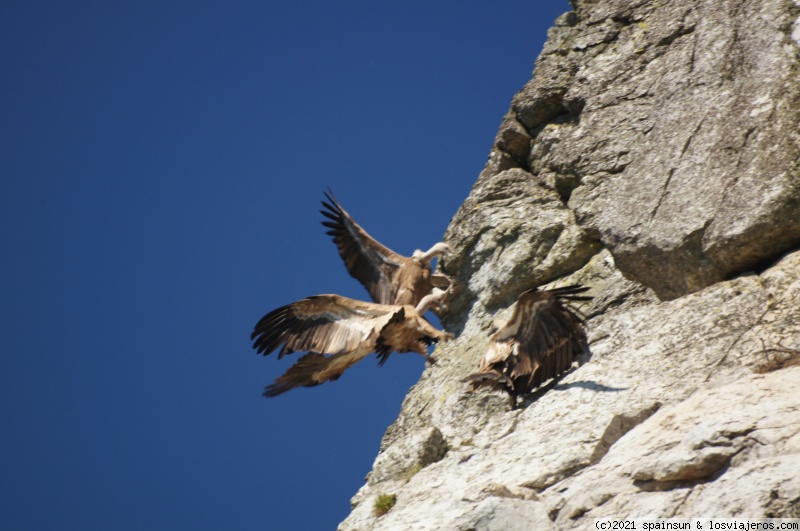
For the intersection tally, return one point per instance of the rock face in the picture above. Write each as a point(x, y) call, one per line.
point(655, 157)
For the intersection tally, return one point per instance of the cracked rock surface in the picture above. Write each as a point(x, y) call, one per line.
point(673, 128)
point(732, 450)
point(655, 157)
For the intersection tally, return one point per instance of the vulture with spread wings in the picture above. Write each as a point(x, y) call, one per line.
point(338, 332)
point(389, 277)
point(540, 341)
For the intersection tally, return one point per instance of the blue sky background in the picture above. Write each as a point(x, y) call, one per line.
point(162, 165)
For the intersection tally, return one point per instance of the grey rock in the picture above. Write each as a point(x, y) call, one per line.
point(730, 450)
point(673, 407)
point(512, 233)
point(674, 129)
point(655, 157)
point(407, 457)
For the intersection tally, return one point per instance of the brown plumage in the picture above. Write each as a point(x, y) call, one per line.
point(540, 341)
point(390, 278)
point(338, 332)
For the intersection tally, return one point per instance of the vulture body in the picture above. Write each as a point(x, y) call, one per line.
point(390, 278)
point(338, 332)
point(540, 341)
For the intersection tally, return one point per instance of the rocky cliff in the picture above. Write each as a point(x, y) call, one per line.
point(654, 156)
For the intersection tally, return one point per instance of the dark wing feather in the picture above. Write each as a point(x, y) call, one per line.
point(368, 261)
point(569, 293)
point(326, 324)
point(382, 348)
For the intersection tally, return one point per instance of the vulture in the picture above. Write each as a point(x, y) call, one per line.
point(337, 332)
point(389, 277)
point(540, 341)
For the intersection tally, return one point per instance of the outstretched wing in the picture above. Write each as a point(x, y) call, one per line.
point(323, 324)
point(314, 369)
point(548, 334)
point(368, 261)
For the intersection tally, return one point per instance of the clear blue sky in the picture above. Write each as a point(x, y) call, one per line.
point(162, 165)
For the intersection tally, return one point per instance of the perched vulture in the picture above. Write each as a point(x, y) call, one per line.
point(338, 332)
point(540, 341)
point(389, 277)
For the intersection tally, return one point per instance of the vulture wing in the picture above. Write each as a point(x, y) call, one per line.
point(323, 324)
point(539, 342)
point(314, 369)
point(368, 261)
point(549, 334)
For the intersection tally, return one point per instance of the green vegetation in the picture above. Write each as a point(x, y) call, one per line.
point(384, 503)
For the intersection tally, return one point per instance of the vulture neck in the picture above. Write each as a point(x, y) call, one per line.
point(432, 299)
point(437, 250)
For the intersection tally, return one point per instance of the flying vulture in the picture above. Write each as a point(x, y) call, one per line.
point(540, 341)
point(389, 277)
point(338, 332)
